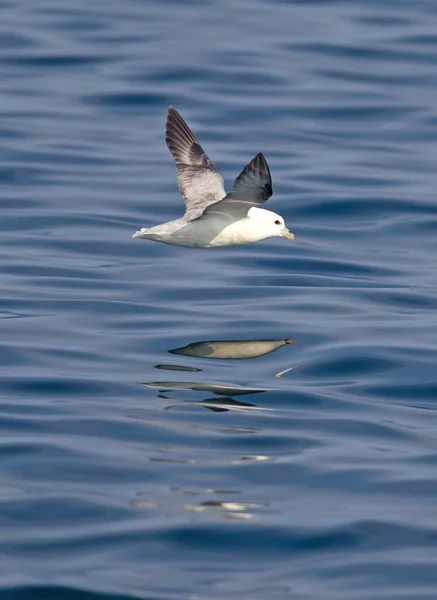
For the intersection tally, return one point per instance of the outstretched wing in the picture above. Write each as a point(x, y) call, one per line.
point(198, 181)
point(252, 187)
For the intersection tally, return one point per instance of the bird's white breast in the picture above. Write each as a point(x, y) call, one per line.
point(215, 230)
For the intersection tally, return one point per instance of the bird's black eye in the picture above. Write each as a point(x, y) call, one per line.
point(277, 222)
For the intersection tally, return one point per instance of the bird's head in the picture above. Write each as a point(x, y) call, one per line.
point(269, 223)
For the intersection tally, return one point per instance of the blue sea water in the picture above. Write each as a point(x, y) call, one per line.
point(145, 453)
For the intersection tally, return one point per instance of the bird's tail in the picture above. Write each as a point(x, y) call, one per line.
point(142, 233)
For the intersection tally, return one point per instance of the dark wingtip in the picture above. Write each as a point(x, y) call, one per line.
point(263, 165)
point(261, 161)
point(260, 164)
point(182, 142)
point(172, 114)
point(174, 119)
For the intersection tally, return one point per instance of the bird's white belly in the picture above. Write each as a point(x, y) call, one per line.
point(214, 231)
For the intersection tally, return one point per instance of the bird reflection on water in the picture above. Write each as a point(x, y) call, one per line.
point(231, 508)
point(221, 398)
point(224, 395)
point(232, 350)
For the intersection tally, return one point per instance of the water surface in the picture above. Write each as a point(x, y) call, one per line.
point(160, 438)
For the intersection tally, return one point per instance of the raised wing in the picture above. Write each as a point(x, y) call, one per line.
point(252, 187)
point(198, 181)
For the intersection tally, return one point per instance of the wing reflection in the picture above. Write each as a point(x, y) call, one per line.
point(219, 390)
point(232, 349)
point(221, 403)
point(224, 399)
point(176, 368)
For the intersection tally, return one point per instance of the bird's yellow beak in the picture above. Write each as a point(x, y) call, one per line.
point(287, 234)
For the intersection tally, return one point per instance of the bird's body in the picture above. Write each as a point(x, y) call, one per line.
point(217, 230)
point(212, 217)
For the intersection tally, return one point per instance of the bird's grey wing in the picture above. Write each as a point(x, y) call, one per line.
point(252, 187)
point(198, 181)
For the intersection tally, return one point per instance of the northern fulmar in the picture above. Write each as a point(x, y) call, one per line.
point(213, 218)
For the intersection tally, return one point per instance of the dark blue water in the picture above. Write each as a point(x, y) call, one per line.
point(277, 470)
